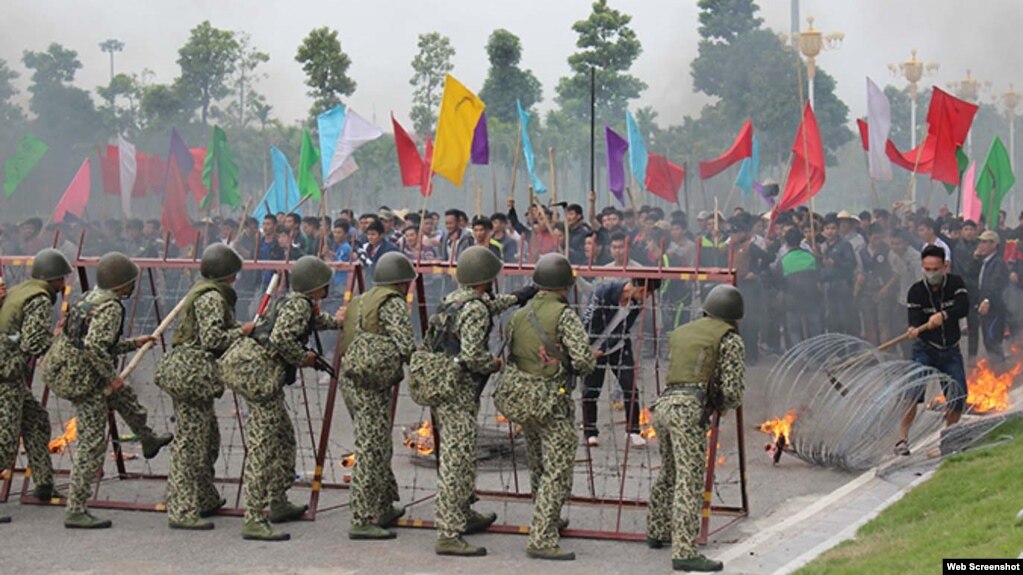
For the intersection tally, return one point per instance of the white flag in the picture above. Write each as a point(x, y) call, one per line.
point(356, 132)
point(879, 123)
point(128, 170)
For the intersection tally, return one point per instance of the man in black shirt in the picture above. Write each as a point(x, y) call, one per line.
point(936, 304)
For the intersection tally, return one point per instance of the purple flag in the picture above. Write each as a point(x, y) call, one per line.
point(179, 154)
point(480, 142)
point(617, 146)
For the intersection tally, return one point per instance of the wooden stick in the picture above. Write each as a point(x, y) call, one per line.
point(554, 180)
point(515, 165)
point(137, 358)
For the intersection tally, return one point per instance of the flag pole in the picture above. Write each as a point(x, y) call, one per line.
point(806, 149)
point(422, 215)
point(515, 164)
point(593, 128)
point(554, 181)
point(685, 187)
point(476, 188)
point(493, 175)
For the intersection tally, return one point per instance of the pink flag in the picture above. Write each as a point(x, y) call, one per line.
point(76, 196)
point(971, 202)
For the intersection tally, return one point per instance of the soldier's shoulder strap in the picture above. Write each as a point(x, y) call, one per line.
point(553, 349)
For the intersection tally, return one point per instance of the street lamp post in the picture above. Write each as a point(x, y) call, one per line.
point(811, 42)
point(913, 71)
point(110, 46)
point(969, 89)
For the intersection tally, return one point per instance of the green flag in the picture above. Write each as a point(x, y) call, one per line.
point(962, 162)
point(308, 157)
point(994, 181)
point(30, 150)
point(220, 162)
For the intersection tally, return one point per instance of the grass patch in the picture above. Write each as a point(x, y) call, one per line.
point(966, 510)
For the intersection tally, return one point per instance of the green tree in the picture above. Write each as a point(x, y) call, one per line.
point(64, 113)
point(163, 106)
point(326, 68)
point(608, 44)
point(10, 112)
point(430, 66)
point(207, 60)
point(240, 112)
point(753, 75)
point(122, 119)
point(506, 81)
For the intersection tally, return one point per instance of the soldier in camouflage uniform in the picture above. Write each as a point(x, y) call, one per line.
point(383, 310)
point(259, 368)
point(205, 329)
point(26, 332)
point(548, 346)
point(476, 271)
point(82, 367)
point(707, 369)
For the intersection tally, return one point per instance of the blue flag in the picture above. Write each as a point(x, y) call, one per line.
point(283, 194)
point(329, 124)
point(637, 150)
point(749, 170)
point(527, 151)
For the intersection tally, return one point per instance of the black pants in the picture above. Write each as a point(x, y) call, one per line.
point(991, 328)
point(621, 365)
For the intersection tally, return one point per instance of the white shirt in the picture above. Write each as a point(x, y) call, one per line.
point(941, 244)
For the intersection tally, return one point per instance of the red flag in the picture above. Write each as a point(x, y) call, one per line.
point(409, 160)
point(427, 173)
point(76, 196)
point(948, 122)
point(663, 178)
point(920, 158)
point(156, 170)
point(742, 148)
point(110, 170)
point(864, 133)
point(141, 175)
point(199, 190)
point(807, 152)
point(175, 210)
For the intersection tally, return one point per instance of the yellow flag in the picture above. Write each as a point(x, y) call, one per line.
point(460, 111)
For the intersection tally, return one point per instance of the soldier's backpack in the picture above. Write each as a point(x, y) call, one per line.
point(370, 360)
point(433, 372)
point(70, 370)
point(247, 369)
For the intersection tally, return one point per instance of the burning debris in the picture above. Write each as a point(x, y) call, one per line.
point(59, 444)
point(420, 439)
point(781, 429)
point(988, 390)
point(646, 424)
point(347, 461)
point(501, 420)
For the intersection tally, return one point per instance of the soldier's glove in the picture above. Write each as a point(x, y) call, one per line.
point(524, 294)
point(321, 364)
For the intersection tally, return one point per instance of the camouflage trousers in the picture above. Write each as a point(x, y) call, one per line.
point(373, 484)
point(91, 414)
point(22, 415)
point(676, 498)
point(190, 487)
point(456, 476)
point(550, 446)
point(270, 460)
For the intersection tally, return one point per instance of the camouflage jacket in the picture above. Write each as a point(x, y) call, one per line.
point(730, 374)
point(214, 336)
point(475, 321)
point(290, 331)
point(102, 341)
point(35, 335)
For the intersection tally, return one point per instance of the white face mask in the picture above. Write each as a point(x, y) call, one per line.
point(934, 278)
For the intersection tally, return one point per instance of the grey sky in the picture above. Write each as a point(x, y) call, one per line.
point(380, 37)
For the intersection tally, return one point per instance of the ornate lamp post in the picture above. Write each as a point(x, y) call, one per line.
point(913, 71)
point(969, 89)
point(811, 43)
point(110, 46)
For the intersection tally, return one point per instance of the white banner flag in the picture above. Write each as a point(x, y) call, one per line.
point(356, 132)
point(879, 122)
point(128, 171)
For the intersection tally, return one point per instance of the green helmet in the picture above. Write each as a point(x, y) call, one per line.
point(553, 272)
point(724, 302)
point(115, 270)
point(219, 262)
point(393, 268)
point(477, 265)
point(309, 274)
point(50, 264)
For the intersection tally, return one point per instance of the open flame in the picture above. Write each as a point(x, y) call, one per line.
point(780, 426)
point(348, 461)
point(501, 419)
point(646, 427)
point(988, 390)
point(421, 438)
point(59, 444)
